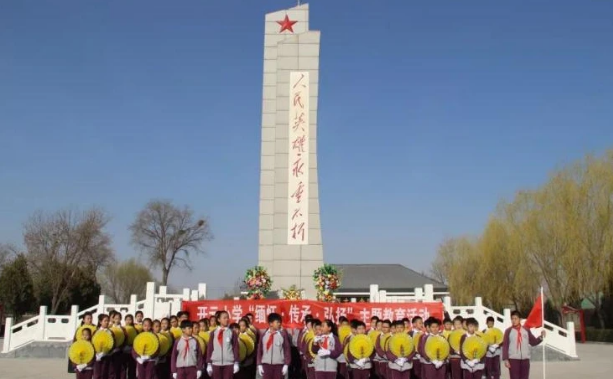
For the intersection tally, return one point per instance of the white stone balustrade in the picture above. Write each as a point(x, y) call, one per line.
point(46, 327)
point(557, 338)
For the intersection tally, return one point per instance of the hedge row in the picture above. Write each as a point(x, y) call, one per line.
point(596, 335)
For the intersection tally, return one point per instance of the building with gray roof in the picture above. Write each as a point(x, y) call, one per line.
point(357, 278)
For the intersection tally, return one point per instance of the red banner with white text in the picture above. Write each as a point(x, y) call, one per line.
point(294, 311)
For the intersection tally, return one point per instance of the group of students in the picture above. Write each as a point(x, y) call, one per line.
point(214, 348)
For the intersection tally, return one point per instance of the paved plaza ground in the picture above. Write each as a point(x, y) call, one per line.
point(596, 363)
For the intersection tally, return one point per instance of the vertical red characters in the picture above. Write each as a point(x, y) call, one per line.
point(298, 164)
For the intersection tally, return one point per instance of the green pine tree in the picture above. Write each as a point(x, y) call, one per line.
point(16, 288)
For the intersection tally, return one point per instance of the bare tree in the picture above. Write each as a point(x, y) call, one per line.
point(167, 235)
point(440, 269)
point(122, 279)
point(7, 252)
point(60, 245)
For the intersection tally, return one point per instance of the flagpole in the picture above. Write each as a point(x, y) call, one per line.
point(543, 342)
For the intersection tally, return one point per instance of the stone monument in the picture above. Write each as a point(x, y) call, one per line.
point(290, 244)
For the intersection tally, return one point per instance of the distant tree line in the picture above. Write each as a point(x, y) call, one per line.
point(559, 236)
point(67, 257)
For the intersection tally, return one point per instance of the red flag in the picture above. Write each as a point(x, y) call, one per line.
point(535, 318)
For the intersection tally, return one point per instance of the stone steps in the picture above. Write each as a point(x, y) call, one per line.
point(49, 350)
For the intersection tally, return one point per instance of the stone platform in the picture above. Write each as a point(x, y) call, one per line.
point(595, 363)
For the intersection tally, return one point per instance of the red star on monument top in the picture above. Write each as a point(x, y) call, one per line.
point(286, 24)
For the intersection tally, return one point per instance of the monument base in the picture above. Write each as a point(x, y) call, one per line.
point(287, 273)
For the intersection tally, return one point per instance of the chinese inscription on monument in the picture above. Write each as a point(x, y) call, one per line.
point(298, 165)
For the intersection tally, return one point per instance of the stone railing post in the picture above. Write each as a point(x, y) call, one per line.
point(8, 329)
point(447, 304)
point(374, 293)
point(428, 292)
point(507, 317)
point(571, 349)
point(478, 314)
point(419, 294)
point(382, 296)
point(132, 306)
point(74, 320)
point(149, 308)
point(42, 324)
point(201, 291)
point(100, 308)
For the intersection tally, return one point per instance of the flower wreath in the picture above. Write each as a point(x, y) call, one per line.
point(327, 279)
point(258, 283)
point(292, 293)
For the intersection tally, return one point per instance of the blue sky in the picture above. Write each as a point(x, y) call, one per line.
point(430, 112)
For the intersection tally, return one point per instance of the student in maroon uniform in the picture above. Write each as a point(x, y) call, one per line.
point(492, 358)
point(182, 316)
point(328, 348)
point(455, 369)
point(86, 319)
point(118, 367)
point(373, 324)
point(162, 364)
point(399, 367)
point(145, 365)
point(516, 347)
point(222, 352)
point(247, 369)
point(472, 368)
point(447, 327)
point(308, 357)
point(380, 356)
point(138, 318)
point(302, 347)
point(85, 371)
point(274, 350)
point(360, 368)
point(432, 369)
point(186, 361)
point(103, 361)
point(204, 325)
point(129, 362)
point(213, 321)
point(417, 327)
point(342, 361)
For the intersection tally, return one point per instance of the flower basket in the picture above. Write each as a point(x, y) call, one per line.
point(258, 283)
point(327, 279)
point(292, 293)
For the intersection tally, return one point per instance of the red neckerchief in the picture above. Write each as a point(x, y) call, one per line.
point(186, 349)
point(271, 339)
point(519, 339)
point(220, 335)
point(324, 344)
